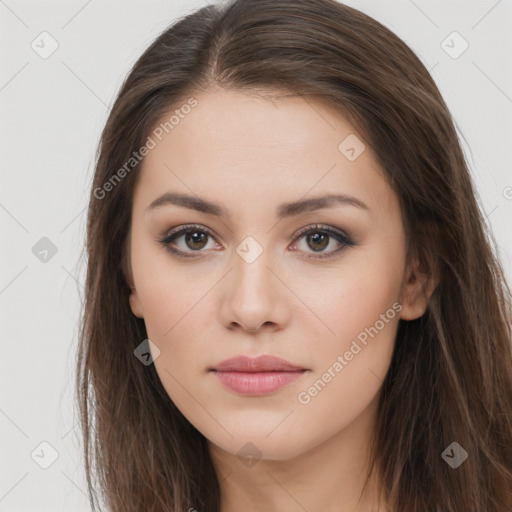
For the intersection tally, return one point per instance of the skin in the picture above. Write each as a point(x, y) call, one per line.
point(251, 155)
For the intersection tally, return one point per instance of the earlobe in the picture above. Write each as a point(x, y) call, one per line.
point(135, 303)
point(126, 266)
point(422, 274)
point(414, 302)
point(416, 293)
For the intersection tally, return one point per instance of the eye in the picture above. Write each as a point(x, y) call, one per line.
point(319, 237)
point(195, 239)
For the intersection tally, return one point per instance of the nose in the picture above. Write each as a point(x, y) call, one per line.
point(253, 296)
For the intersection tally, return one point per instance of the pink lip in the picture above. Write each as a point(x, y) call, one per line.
point(256, 364)
point(257, 376)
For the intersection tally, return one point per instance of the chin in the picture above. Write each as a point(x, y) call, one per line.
point(255, 444)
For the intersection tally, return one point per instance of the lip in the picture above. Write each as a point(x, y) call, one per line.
point(257, 376)
point(262, 363)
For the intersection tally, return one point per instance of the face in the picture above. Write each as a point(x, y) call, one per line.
point(318, 284)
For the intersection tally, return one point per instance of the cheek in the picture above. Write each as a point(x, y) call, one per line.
point(167, 295)
point(177, 315)
point(172, 315)
point(361, 311)
point(350, 367)
point(352, 296)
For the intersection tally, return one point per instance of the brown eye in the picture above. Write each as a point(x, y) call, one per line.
point(187, 240)
point(317, 241)
point(196, 239)
point(317, 238)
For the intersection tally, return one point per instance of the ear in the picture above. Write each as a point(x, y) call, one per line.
point(420, 281)
point(135, 303)
point(126, 267)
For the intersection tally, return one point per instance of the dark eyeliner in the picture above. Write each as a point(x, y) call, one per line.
point(339, 236)
point(176, 233)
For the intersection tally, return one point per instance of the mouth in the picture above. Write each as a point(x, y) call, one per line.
point(257, 376)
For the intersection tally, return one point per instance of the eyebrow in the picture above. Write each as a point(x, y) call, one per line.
point(284, 210)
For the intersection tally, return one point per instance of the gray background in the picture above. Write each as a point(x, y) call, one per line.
point(52, 111)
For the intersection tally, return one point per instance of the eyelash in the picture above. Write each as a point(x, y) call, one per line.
point(176, 233)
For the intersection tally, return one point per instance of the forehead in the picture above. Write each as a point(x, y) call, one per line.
point(241, 125)
point(249, 148)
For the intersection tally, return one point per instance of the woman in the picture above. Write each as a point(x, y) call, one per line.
point(292, 302)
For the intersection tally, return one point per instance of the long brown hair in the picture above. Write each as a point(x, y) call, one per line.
point(450, 378)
